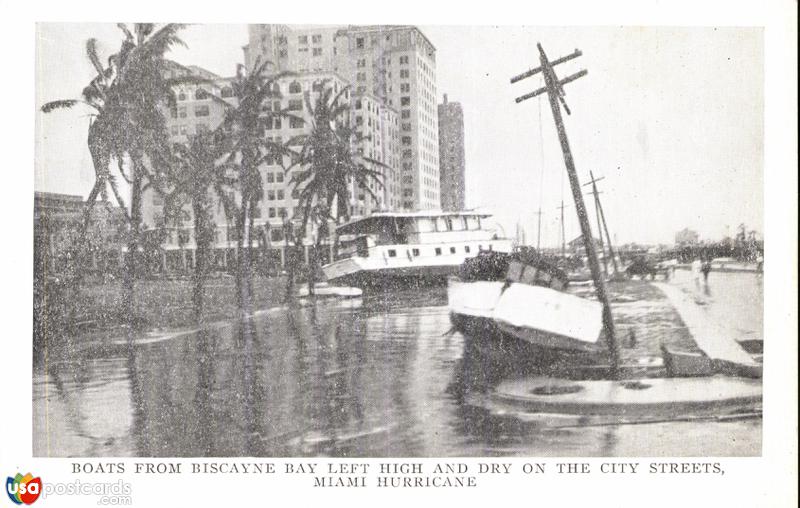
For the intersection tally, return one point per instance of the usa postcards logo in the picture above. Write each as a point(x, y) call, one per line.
point(23, 489)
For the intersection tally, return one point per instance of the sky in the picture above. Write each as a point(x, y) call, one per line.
point(672, 118)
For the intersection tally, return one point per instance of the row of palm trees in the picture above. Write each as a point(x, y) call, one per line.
point(128, 99)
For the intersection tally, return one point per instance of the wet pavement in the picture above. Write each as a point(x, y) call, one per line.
point(387, 377)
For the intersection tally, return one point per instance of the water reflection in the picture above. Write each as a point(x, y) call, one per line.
point(390, 378)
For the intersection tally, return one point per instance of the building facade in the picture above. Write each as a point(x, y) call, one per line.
point(57, 224)
point(451, 155)
point(196, 111)
point(396, 64)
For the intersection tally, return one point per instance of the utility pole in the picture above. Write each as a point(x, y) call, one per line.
point(600, 232)
point(539, 228)
point(563, 233)
point(602, 216)
point(555, 93)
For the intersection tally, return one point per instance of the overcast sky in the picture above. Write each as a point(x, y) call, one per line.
point(671, 117)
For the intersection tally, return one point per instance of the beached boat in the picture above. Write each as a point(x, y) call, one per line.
point(525, 301)
point(390, 249)
point(322, 289)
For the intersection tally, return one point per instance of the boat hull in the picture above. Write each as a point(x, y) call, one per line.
point(397, 277)
point(543, 317)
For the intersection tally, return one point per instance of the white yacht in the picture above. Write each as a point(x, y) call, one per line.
point(388, 248)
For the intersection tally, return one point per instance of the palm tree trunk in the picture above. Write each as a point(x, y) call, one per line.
point(203, 236)
point(241, 220)
point(249, 279)
point(128, 298)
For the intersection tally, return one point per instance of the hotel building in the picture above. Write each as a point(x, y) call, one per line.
point(395, 64)
point(451, 155)
point(197, 112)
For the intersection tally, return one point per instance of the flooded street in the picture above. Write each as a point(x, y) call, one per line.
point(384, 376)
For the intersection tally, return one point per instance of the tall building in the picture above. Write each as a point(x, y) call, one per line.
point(451, 155)
point(196, 111)
point(396, 64)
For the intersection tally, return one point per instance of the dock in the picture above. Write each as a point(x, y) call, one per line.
point(718, 343)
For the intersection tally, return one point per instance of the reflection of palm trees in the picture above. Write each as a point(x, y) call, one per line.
point(203, 408)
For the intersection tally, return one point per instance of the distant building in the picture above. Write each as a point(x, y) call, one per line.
point(395, 64)
point(576, 246)
point(686, 237)
point(451, 155)
point(57, 222)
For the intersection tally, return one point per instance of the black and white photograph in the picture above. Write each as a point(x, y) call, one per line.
point(395, 240)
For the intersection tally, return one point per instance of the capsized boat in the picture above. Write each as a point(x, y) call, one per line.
point(522, 296)
point(391, 248)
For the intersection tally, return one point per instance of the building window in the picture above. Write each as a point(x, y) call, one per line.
point(438, 251)
point(405, 101)
point(201, 128)
point(270, 177)
point(296, 123)
point(295, 105)
point(404, 74)
point(182, 112)
point(452, 250)
point(271, 195)
point(316, 39)
point(227, 92)
point(404, 60)
point(392, 253)
point(279, 178)
point(295, 87)
point(406, 140)
point(406, 113)
point(271, 213)
point(181, 96)
point(280, 195)
point(200, 95)
point(201, 111)
point(405, 88)
point(466, 249)
point(359, 43)
point(316, 51)
point(303, 39)
point(415, 252)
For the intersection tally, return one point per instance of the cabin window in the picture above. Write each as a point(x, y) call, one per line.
point(452, 250)
point(449, 223)
point(466, 249)
point(438, 251)
point(392, 253)
point(415, 252)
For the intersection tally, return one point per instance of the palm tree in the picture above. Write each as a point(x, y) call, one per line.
point(245, 124)
point(328, 167)
point(128, 124)
point(198, 174)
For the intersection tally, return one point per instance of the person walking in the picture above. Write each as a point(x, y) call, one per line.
point(706, 269)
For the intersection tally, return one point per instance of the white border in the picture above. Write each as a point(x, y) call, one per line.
point(766, 481)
